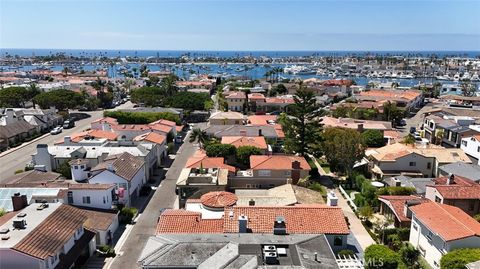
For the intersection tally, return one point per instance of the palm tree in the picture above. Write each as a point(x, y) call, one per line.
point(200, 136)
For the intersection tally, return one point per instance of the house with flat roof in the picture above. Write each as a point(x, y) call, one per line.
point(439, 228)
point(45, 236)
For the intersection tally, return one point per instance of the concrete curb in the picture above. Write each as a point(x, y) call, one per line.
point(23, 145)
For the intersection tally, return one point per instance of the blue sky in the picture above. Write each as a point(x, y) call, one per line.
point(241, 25)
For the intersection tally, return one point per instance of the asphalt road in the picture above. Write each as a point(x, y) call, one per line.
point(17, 159)
point(164, 197)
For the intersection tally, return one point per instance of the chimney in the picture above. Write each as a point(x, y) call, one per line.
point(242, 223)
point(450, 179)
point(10, 116)
point(279, 226)
point(332, 199)
point(43, 157)
point(260, 132)
point(67, 140)
point(110, 168)
point(40, 167)
point(296, 165)
point(19, 201)
point(360, 127)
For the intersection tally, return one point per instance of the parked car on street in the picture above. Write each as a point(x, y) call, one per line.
point(56, 130)
point(69, 124)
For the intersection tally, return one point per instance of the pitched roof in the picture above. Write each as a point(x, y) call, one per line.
point(227, 115)
point(397, 202)
point(98, 220)
point(32, 176)
point(125, 165)
point(458, 188)
point(218, 199)
point(200, 159)
point(151, 137)
point(239, 141)
point(299, 219)
point(164, 122)
point(182, 221)
point(261, 119)
point(443, 155)
point(449, 222)
point(277, 162)
point(52, 233)
point(237, 95)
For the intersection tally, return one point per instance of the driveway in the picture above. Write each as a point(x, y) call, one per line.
point(164, 197)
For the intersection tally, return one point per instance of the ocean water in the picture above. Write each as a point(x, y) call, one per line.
point(200, 53)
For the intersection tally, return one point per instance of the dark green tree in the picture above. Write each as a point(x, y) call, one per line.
point(220, 150)
point(244, 153)
point(62, 99)
point(373, 138)
point(343, 148)
point(302, 124)
point(14, 97)
point(381, 257)
point(409, 255)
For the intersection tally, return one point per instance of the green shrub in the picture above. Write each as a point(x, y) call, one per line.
point(409, 255)
point(346, 252)
point(220, 150)
point(381, 257)
point(244, 153)
point(18, 171)
point(458, 258)
point(124, 117)
point(127, 214)
point(108, 250)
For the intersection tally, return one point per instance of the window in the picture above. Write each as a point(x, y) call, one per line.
point(464, 142)
point(478, 149)
point(338, 240)
point(248, 186)
point(70, 197)
point(104, 201)
point(83, 166)
point(86, 199)
point(429, 235)
point(435, 263)
point(264, 173)
point(288, 173)
point(413, 164)
point(438, 199)
point(415, 226)
point(429, 165)
point(422, 251)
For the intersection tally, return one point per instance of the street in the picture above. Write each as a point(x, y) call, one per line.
point(164, 197)
point(15, 160)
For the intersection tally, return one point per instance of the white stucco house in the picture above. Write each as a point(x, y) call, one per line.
point(437, 229)
point(125, 171)
point(471, 147)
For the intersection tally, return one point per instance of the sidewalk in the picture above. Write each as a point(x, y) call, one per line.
point(356, 226)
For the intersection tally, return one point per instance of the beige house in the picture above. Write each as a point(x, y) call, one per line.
point(400, 159)
point(194, 182)
point(227, 118)
point(236, 101)
point(270, 171)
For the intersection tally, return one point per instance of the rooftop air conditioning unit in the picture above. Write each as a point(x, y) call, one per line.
point(19, 224)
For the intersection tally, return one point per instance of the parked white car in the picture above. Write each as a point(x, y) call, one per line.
point(56, 130)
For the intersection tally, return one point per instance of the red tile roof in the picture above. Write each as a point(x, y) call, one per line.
point(300, 219)
point(449, 222)
point(239, 141)
point(218, 199)
point(151, 137)
point(164, 122)
point(106, 120)
point(200, 159)
point(277, 162)
point(261, 119)
point(52, 234)
point(397, 203)
point(460, 188)
point(182, 221)
point(236, 95)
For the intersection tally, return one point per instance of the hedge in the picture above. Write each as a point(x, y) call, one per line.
point(124, 117)
point(381, 257)
point(458, 258)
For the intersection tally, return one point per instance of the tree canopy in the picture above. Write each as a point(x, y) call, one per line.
point(124, 117)
point(302, 124)
point(343, 148)
point(220, 150)
point(458, 258)
point(62, 99)
point(244, 153)
point(373, 138)
point(381, 257)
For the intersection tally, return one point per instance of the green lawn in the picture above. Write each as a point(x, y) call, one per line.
point(326, 168)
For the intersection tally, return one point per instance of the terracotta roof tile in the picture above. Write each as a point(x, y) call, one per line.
point(239, 141)
point(52, 234)
point(182, 221)
point(261, 119)
point(459, 188)
point(449, 222)
point(277, 162)
point(151, 137)
point(397, 203)
point(218, 199)
point(300, 219)
point(200, 159)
